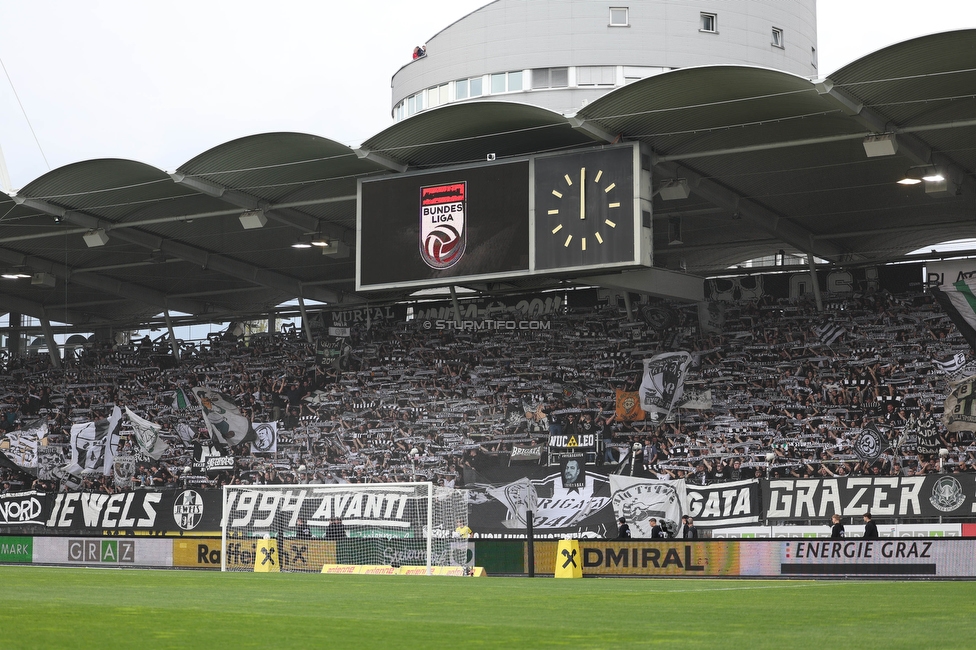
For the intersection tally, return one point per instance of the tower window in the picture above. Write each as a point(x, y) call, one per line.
point(619, 16)
point(709, 23)
point(550, 78)
point(777, 37)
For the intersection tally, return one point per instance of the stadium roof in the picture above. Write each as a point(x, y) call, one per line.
point(774, 162)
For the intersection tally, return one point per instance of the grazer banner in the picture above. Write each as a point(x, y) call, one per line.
point(176, 511)
point(432, 229)
point(932, 495)
point(736, 503)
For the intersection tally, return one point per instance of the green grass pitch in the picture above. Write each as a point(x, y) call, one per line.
point(112, 608)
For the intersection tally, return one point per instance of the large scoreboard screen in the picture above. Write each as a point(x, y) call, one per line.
point(578, 211)
point(418, 230)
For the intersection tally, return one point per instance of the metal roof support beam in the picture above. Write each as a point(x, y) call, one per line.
point(289, 217)
point(381, 160)
point(52, 345)
point(780, 227)
point(590, 128)
point(305, 324)
point(202, 257)
point(39, 311)
point(653, 282)
point(112, 286)
point(909, 145)
point(173, 343)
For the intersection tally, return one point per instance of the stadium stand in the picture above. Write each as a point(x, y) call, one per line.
point(788, 392)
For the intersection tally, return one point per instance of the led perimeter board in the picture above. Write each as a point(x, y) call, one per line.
point(583, 211)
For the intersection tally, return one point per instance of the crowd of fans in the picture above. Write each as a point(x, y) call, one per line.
point(790, 389)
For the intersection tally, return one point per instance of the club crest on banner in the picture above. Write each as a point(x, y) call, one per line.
point(869, 443)
point(443, 235)
point(947, 494)
point(640, 499)
point(188, 509)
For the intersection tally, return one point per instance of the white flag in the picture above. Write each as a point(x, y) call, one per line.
point(21, 446)
point(266, 438)
point(146, 435)
point(224, 420)
point(664, 382)
point(93, 445)
point(959, 413)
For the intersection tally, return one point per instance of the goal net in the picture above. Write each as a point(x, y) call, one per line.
point(377, 524)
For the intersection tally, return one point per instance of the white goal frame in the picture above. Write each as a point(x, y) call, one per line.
point(250, 512)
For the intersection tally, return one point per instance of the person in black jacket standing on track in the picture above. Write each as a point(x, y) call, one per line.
point(836, 528)
point(623, 530)
point(870, 528)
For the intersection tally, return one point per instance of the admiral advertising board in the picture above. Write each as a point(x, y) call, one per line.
point(579, 210)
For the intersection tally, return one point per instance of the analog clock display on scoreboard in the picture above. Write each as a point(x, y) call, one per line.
point(584, 209)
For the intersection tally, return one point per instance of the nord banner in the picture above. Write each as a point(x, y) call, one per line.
point(932, 495)
point(20, 508)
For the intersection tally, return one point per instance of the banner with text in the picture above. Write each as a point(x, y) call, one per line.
point(932, 495)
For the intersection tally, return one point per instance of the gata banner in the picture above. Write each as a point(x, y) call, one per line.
point(932, 495)
point(736, 503)
point(168, 511)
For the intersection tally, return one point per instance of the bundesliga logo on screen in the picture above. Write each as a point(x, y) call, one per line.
point(442, 232)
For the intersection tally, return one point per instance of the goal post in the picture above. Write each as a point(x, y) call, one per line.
point(303, 527)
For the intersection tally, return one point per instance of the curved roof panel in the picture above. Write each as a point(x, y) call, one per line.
point(274, 165)
point(467, 132)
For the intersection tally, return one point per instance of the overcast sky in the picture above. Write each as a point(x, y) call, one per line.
point(161, 82)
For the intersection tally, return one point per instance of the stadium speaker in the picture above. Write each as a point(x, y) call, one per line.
point(674, 189)
point(42, 280)
point(253, 219)
point(336, 249)
point(880, 145)
point(940, 189)
point(95, 238)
